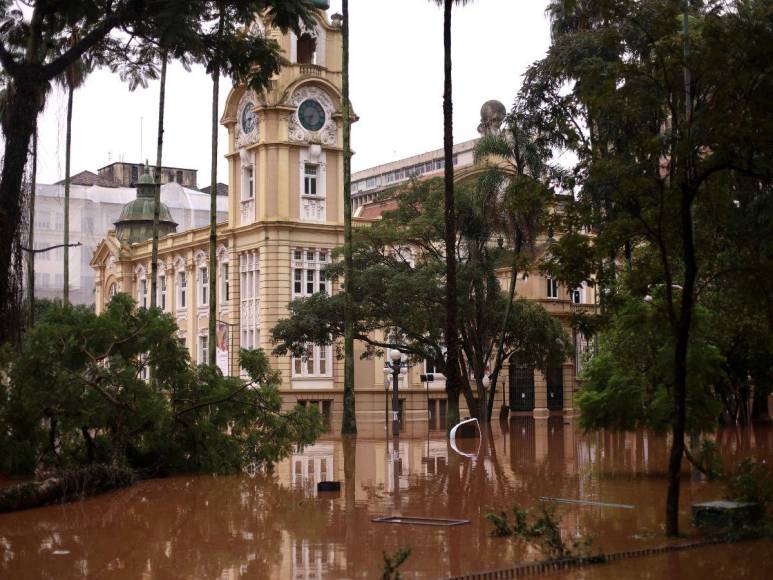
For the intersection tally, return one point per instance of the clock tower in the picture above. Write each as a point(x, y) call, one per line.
point(285, 214)
point(285, 146)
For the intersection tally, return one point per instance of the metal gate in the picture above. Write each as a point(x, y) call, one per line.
point(521, 388)
point(555, 380)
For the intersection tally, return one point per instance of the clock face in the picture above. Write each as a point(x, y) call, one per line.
point(311, 115)
point(248, 118)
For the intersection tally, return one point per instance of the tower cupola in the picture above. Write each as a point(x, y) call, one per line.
point(135, 223)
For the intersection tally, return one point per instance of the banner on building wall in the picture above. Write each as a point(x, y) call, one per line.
point(221, 352)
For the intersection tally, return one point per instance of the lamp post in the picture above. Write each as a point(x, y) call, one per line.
point(486, 384)
point(397, 366)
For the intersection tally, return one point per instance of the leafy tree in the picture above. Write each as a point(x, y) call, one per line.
point(399, 288)
point(78, 394)
point(628, 384)
point(641, 99)
point(35, 49)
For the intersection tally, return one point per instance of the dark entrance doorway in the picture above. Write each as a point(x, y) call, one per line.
point(521, 388)
point(555, 381)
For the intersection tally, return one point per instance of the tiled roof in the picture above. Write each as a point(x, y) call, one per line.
point(222, 189)
point(88, 178)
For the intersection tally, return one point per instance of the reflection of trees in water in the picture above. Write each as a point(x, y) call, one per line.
point(176, 528)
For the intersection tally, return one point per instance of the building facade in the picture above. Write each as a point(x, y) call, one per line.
point(285, 216)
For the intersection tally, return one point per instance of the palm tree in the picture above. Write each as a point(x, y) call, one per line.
point(73, 78)
point(211, 340)
point(523, 191)
point(31, 240)
point(453, 379)
point(349, 422)
point(157, 200)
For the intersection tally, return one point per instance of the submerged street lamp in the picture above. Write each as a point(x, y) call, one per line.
point(397, 366)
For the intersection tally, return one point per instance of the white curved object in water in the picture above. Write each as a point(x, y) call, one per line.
point(452, 436)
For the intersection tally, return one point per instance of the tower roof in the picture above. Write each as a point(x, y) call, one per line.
point(135, 224)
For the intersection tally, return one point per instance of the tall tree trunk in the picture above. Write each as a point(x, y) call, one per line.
point(31, 242)
point(67, 157)
point(686, 310)
point(212, 339)
point(23, 108)
point(349, 422)
point(452, 334)
point(499, 361)
point(157, 200)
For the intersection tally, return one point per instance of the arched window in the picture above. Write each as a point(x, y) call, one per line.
point(307, 49)
point(113, 291)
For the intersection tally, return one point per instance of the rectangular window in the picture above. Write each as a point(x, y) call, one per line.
point(182, 290)
point(203, 349)
point(135, 174)
point(224, 283)
point(162, 292)
point(310, 179)
point(298, 284)
point(552, 288)
point(309, 282)
point(143, 293)
point(179, 177)
point(316, 364)
point(577, 295)
point(249, 182)
point(204, 286)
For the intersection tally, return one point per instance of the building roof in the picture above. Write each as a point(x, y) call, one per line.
point(174, 195)
point(222, 189)
point(374, 209)
point(141, 164)
point(88, 178)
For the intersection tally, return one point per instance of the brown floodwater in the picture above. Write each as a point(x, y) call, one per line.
point(277, 526)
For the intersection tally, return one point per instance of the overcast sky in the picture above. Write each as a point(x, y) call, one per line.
point(396, 89)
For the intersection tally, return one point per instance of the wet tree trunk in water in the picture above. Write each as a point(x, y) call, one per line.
point(67, 158)
point(452, 334)
point(349, 421)
point(157, 200)
point(64, 486)
point(686, 310)
point(23, 108)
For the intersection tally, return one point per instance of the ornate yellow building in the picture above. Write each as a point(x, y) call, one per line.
point(285, 215)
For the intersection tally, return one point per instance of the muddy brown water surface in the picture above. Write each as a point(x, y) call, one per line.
point(278, 526)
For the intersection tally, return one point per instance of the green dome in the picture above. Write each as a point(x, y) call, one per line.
point(135, 224)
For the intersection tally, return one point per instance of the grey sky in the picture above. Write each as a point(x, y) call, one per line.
point(396, 89)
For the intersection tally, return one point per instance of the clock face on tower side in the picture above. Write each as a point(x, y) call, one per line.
point(311, 115)
point(248, 118)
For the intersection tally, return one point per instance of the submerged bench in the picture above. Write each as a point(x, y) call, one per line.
point(725, 514)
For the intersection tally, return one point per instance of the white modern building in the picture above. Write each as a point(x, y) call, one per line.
point(369, 183)
point(93, 211)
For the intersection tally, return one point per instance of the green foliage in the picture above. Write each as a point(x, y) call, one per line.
point(392, 563)
point(751, 482)
point(541, 530)
point(399, 284)
point(78, 394)
point(628, 383)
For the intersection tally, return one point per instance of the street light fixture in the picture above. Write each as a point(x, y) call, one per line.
point(397, 366)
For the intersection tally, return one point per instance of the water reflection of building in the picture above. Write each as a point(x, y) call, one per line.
point(313, 464)
point(312, 560)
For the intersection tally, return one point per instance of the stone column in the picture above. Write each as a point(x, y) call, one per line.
point(540, 396)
